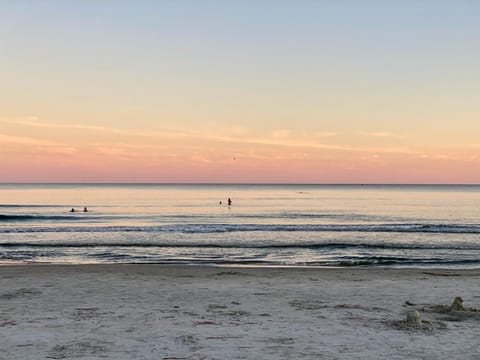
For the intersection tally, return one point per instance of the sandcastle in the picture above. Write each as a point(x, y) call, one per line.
point(413, 318)
point(454, 312)
point(457, 304)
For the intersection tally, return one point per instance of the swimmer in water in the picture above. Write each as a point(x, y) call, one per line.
point(73, 210)
point(85, 209)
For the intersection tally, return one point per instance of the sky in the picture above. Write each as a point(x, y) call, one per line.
point(245, 91)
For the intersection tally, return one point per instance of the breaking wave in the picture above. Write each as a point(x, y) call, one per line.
point(228, 228)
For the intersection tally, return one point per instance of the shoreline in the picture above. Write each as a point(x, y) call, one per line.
point(4, 264)
point(151, 311)
point(371, 272)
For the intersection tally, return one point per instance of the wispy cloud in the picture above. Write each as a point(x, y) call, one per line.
point(450, 157)
point(322, 134)
point(278, 138)
point(112, 151)
point(384, 134)
point(63, 150)
point(201, 159)
point(37, 123)
point(25, 140)
point(307, 143)
point(50, 147)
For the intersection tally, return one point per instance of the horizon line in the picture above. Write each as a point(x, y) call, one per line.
point(233, 183)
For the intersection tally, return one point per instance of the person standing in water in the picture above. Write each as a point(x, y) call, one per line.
point(85, 209)
point(229, 201)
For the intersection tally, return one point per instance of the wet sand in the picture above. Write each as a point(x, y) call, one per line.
point(191, 312)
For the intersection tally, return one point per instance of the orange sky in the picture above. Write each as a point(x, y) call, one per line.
point(41, 151)
point(324, 92)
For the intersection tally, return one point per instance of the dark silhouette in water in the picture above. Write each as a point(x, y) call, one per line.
point(73, 210)
point(85, 209)
point(229, 201)
point(220, 202)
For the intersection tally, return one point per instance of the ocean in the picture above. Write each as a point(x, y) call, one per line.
point(266, 225)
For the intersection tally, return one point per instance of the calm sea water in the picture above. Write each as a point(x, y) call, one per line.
point(289, 225)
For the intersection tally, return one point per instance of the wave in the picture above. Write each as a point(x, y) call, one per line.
point(371, 261)
point(285, 215)
point(232, 245)
point(340, 261)
point(311, 216)
point(79, 216)
point(392, 261)
point(38, 217)
point(24, 217)
point(228, 228)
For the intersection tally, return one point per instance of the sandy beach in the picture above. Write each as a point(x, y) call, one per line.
point(191, 312)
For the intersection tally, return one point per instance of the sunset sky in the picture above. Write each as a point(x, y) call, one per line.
point(240, 91)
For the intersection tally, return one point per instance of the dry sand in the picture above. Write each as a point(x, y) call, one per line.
point(186, 312)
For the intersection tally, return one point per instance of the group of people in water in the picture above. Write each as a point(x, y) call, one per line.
point(84, 209)
point(229, 202)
